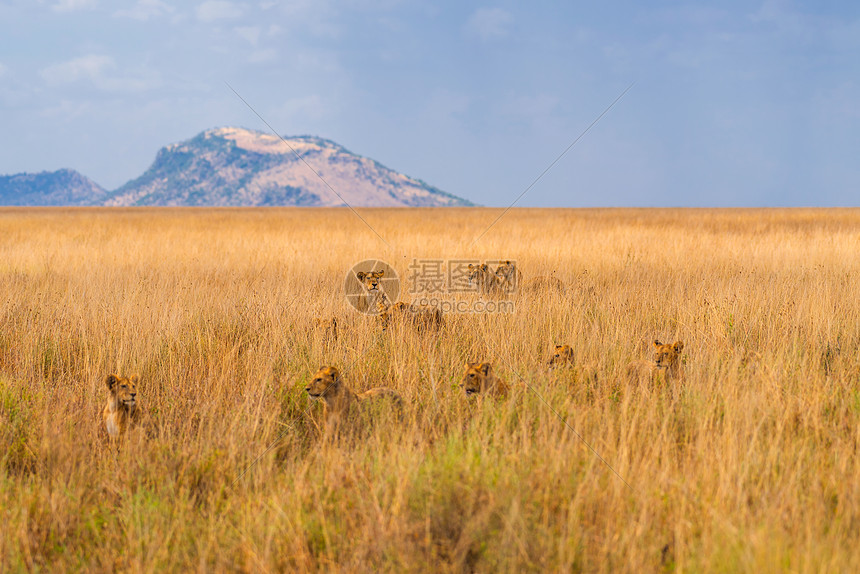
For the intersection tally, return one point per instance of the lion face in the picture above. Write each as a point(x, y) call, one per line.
point(123, 390)
point(323, 381)
point(563, 355)
point(508, 277)
point(478, 274)
point(507, 271)
point(666, 356)
point(370, 280)
point(475, 378)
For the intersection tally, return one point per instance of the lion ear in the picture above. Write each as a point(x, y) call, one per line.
point(111, 381)
point(381, 273)
point(134, 379)
point(360, 275)
point(656, 343)
point(679, 345)
point(485, 368)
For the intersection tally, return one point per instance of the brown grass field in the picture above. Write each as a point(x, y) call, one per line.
point(747, 464)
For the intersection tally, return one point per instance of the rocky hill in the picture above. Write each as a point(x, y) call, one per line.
point(239, 167)
point(61, 187)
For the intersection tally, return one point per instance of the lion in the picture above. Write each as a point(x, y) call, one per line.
point(422, 319)
point(485, 280)
point(372, 292)
point(121, 410)
point(563, 356)
point(508, 277)
point(340, 401)
point(666, 363)
point(480, 379)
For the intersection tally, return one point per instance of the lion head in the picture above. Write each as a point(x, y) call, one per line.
point(370, 280)
point(123, 391)
point(482, 277)
point(563, 355)
point(479, 378)
point(325, 380)
point(476, 273)
point(388, 312)
point(667, 356)
point(508, 276)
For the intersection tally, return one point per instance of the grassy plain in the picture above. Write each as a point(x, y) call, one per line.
point(749, 464)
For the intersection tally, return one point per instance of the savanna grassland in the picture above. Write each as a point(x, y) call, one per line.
point(749, 463)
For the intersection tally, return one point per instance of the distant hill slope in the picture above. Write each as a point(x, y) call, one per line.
point(240, 167)
point(61, 187)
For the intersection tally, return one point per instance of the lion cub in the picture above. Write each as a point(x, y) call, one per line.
point(562, 357)
point(666, 362)
point(480, 379)
point(483, 279)
point(341, 402)
point(121, 410)
point(508, 277)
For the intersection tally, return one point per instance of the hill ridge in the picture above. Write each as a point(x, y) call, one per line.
point(232, 166)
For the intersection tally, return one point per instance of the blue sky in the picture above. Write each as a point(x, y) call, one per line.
point(734, 103)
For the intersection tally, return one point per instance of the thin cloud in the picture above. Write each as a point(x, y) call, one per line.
point(97, 69)
point(89, 67)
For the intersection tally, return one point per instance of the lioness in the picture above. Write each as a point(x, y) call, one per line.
point(372, 292)
point(480, 379)
point(121, 410)
point(666, 362)
point(340, 401)
point(485, 280)
point(562, 356)
point(508, 277)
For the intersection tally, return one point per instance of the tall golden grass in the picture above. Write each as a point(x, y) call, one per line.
point(747, 464)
